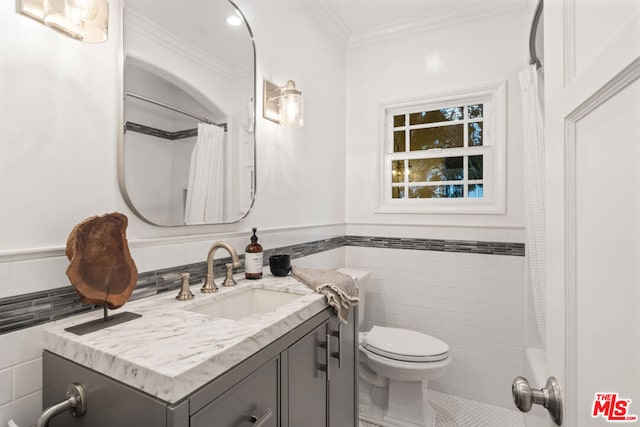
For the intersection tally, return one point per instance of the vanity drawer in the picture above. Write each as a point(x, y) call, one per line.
point(252, 402)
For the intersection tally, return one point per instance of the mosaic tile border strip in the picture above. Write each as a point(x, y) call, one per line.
point(23, 311)
point(461, 246)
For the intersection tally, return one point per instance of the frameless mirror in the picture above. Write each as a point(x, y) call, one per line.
point(187, 154)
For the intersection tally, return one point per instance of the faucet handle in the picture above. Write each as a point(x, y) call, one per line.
point(185, 293)
point(229, 280)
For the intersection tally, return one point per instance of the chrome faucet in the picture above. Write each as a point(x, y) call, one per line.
point(209, 284)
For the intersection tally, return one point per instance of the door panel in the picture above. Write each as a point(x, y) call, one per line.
point(592, 139)
point(607, 229)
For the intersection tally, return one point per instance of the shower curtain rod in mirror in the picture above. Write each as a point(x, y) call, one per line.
point(172, 108)
point(532, 36)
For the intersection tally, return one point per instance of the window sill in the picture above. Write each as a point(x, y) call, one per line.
point(440, 206)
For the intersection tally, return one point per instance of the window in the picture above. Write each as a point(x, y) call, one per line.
point(445, 153)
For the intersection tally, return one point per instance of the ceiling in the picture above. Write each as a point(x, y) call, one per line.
point(352, 22)
point(364, 21)
point(362, 15)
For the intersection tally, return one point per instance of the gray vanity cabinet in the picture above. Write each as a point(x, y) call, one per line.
point(109, 402)
point(285, 384)
point(322, 379)
point(253, 401)
point(343, 390)
point(307, 374)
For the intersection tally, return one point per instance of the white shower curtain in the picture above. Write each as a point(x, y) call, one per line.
point(534, 192)
point(205, 192)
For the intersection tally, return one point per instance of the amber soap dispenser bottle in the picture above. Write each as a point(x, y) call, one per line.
point(253, 258)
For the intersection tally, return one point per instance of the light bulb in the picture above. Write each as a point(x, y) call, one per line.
point(234, 21)
point(291, 106)
point(291, 110)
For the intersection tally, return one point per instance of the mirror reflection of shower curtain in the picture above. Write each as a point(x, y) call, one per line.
point(205, 191)
point(534, 193)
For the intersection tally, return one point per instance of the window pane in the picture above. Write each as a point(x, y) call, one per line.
point(440, 169)
point(435, 116)
point(397, 192)
point(437, 137)
point(475, 167)
point(398, 120)
point(397, 171)
point(475, 111)
point(398, 141)
point(436, 192)
point(475, 190)
point(475, 134)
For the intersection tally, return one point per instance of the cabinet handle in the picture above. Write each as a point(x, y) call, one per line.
point(337, 354)
point(327, 346)
point(259, 422)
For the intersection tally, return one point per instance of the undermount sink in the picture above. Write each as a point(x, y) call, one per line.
point(255, 301)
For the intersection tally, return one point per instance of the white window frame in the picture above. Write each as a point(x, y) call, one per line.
point(494, 150)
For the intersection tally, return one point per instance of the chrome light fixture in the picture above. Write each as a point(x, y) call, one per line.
point(84, 20)
point(283, 105)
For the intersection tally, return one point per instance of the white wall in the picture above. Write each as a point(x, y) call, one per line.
point(475, 303)
point(58, 163)
point(57, 151)
point(456, 57)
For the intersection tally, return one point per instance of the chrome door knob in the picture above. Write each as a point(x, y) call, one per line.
point(525, 397)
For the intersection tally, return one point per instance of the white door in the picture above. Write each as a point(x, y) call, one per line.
point(592, 119)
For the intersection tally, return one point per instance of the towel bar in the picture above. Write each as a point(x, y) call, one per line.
point(75, 402)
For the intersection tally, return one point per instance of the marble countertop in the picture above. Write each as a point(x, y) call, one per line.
point(170, 352)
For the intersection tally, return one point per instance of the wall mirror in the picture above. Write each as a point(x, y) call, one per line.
point(187, 152)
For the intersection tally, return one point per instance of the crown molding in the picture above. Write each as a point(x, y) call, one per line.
point(138, 24)
point(479, 9)
point(462, 13)
point(329, 20)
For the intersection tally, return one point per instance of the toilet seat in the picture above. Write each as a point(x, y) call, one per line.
point(404, 345)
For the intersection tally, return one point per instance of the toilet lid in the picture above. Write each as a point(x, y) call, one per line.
point(406, 345)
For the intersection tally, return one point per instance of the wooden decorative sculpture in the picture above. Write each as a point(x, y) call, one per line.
point(101, 269)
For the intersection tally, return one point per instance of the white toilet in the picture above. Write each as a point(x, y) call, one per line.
point(395, 365)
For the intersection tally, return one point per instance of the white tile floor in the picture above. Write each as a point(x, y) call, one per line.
point(454, 411)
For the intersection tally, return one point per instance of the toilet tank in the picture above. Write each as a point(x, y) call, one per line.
point(360, 277)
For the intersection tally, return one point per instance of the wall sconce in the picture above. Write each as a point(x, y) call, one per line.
point(283, 104)
point(84, 20)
